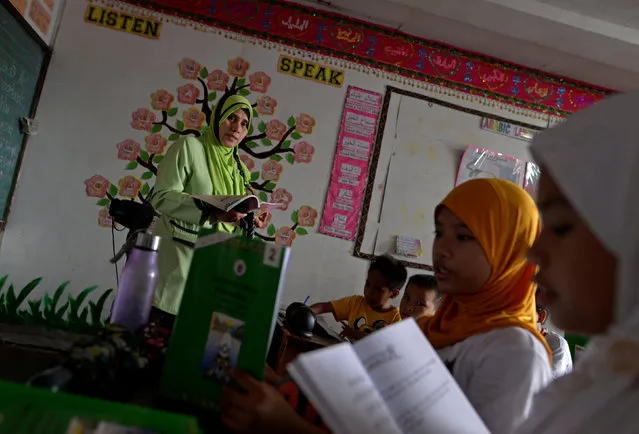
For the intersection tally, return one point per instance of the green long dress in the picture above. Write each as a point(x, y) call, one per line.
point(192, 166)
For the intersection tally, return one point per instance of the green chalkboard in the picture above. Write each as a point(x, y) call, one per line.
point(21, 62)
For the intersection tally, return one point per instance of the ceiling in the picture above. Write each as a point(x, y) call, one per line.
point(594, 41)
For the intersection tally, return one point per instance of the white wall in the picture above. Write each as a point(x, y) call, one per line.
point(97, 78)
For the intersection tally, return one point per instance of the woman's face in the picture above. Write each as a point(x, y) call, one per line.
point(576, 273)
point(234, 129)
point(460, 264)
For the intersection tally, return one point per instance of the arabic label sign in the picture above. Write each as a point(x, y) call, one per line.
point(310, 71)
point(121, 21)
point(483, 163)
point(506, 129)
point(342, 37)
point(350, 168)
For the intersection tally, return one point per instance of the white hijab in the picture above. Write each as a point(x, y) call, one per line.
point(594, 158)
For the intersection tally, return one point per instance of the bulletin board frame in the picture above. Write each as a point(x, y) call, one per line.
point(377, 146)
point(48, 53)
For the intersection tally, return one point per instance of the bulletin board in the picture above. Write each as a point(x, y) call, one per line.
point(418, 148)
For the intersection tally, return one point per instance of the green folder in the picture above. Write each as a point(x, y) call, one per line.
point(29, 410)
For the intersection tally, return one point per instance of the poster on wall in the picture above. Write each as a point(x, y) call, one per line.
point(531, 180)
point(483, 163)
point(42, 15)
point(350, 167)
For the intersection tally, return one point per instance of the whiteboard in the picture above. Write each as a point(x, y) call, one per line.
point(417, 154)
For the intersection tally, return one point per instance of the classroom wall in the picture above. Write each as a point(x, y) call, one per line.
point(90, 119)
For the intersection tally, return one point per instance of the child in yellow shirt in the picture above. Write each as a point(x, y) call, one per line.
point(421, 297)
point(372, 311)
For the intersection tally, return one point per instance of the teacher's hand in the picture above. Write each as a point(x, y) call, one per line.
point(227, 216)
point(261, 220)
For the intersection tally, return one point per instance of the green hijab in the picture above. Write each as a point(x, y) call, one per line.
point(228, 173)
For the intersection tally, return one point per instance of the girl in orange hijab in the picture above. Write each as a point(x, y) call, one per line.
point(485, 328)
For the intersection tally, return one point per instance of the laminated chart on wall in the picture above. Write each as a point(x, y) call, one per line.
point(350, 167)
point(483, 163)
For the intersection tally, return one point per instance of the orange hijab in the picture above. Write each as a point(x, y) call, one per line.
point(505, 221)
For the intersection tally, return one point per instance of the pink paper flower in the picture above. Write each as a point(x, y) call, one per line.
point(189, 69)
point(129, 186)
point(128, 150)
point(96, 186)
point(194, 118)
point(303, 152)
point(238, 67)
point(304, 123)
point(285, 236)
point(162, 100)
point(259, 82)
point(155, 143)
point(104, 219)
point(275, 130)
point(188, 94)
point(283, 197)
point(143, 119)
point(248, 162)
point(217, 80)
point(306, 216)
point(266, 105)
point(269, 216)
point(271, 170)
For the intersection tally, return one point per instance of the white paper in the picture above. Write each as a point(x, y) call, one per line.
point(227, 203)
point(336, 382)
point(416, 386)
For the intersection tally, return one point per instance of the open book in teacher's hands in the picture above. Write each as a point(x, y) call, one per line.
point(391, 382)
point(242, 204)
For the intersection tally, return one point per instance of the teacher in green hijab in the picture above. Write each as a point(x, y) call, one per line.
point(208, 164)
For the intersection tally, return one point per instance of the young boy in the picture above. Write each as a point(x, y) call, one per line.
point(421, 297)
point(373, 310)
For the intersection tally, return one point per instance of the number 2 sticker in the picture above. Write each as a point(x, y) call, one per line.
point(272, 255)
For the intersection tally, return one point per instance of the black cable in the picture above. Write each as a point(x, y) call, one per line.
point(115, 264)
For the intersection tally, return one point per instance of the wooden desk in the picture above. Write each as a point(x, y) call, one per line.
point(286, 346)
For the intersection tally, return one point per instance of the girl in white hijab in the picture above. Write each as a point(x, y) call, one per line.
point(588, 258)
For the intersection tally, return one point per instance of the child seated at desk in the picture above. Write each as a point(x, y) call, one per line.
point(421, 297)
point(373, 310)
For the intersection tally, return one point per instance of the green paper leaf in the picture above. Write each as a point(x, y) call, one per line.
point(204, 72)
point(276, 157)
point(240, 82)
point(158, 158)
point(113, 190)
point(244, 92)
point(301, 231)
point(131, 165)
point(174, 137)
point(147, 175)
point(145, 189)
point(263, 196)
point(290, 158)
point(286, 144)
point(252, 144)
point(270, 186)
point(172, 111)
point(267, 142)
point(294, 216)
point(255, 176)
point(261, 127)
point(103, 202)
point(156, 128)
point(291, 121)
point(212, 96)
point(144, 155)
point(271, 230)
point(179, 125)
point(295, 135)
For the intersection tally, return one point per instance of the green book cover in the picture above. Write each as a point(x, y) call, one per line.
point(576, 343)
point(227, 316)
